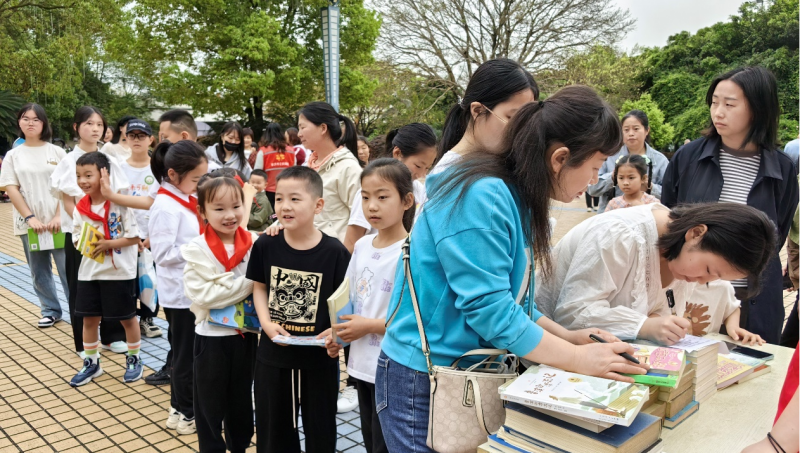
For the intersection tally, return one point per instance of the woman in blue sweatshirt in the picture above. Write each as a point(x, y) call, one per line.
point(469, 259)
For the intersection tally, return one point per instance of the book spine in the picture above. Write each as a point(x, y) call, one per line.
point(662, 381)
point(565, 410)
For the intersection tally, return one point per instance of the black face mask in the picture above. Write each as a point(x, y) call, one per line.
point(232, 146)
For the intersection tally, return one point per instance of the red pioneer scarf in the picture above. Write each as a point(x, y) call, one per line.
point(241, 245)
point(85, 208)
point(191, 205)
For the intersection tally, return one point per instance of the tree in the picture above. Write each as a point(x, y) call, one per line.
point(247, 59)
point(611, 72)
point(449, 39)
point(661, 132)
point(9, 106)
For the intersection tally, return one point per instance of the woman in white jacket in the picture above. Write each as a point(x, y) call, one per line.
point(225, 345)
point(612, 270)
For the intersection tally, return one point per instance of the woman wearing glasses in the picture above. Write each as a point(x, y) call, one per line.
point(25, 176)
point(636, 135)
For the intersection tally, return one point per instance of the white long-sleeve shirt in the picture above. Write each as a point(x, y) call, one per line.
point(606, 274)
point(171, 225)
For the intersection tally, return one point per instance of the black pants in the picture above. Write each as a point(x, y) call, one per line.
point(790, 335)
point(110, 331)
point(592, 202)
point(351, 381)
point(223, 382)
point(370, 425)
point(280, 393)
point(181, 324)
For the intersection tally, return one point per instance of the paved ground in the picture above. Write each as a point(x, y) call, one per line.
point(40, 412)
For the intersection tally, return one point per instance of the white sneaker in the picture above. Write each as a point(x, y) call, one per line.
point(149, 329)
point(48, 321)
point(186, 426)
point(173, 419)
point(348, 400)
point(119, 347)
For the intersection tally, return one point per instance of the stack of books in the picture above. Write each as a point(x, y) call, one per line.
point(679, 401)
point(551, 410)
point(705, 377)
point(733, 368)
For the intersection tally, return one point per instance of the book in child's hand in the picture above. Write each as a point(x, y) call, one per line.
point(339, 305)
point(241, 316)
point(299, 341)
point(45, 241)
point(575, 394)
point(88, 240)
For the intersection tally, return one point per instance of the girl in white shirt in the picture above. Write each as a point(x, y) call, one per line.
point(174, 222)
point(89, 125)
point(612, 271)
point(214, 279)
point(415, 146)
point(25, 177)
point(387, 196)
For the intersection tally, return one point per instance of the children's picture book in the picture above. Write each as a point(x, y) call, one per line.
point(86, 243)
point(730, 371)
point(299, 341)
point(45, 241)
point(575, 394)
point(339, 305)
point(241, 316)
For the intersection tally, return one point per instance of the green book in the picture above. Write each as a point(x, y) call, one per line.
point(663, 380)
point(45, 241)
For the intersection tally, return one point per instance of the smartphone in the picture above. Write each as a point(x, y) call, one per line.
point(755, 353)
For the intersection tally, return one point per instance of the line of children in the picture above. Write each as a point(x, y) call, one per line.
point(105, 289)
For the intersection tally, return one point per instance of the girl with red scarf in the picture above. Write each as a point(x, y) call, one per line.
point(214, 279)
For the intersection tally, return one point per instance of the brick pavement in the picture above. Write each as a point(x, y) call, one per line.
point(40, 412)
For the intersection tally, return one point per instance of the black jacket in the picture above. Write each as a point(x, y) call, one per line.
point(694, 176)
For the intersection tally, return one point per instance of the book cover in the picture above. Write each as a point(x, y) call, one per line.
point(644, 430)
point(45, 241)
point(758, 371)
point(241, 316)
point(729, 371)
point(339, 305)
point(86, 243)
point(662, 360)
point(575, 394)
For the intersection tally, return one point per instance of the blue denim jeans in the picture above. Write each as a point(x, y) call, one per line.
point(402, 398)
point(42, 275)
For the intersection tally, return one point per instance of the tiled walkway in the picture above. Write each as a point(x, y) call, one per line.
point(40, 412)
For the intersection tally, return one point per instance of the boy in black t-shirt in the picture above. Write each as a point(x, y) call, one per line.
point(294, 273)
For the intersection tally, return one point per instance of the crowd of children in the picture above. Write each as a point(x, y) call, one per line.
point(272, 226)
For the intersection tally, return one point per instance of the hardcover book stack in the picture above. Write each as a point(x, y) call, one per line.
point(551, 410)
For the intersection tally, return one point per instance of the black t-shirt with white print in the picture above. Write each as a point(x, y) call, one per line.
point(299, 283)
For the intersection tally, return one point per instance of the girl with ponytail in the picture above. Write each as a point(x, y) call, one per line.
point(633, 176)
point(495, 92)
point(469, 258)
point(331, 137)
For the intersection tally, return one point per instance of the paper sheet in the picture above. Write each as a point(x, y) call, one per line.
point(46, 241)
point(691, 343)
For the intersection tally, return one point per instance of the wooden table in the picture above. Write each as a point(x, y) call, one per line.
point(735, 417)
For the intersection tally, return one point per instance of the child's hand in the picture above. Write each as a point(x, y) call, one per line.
point(101, 247)
point(333, 347)
point(249, 191)
point(666, 330)
point(146, 243)
point(105, 184)
point(581, 337)
point(55, 225)
point(744, 336)
point(356, 327)
point(273, 229)
point(274, 329)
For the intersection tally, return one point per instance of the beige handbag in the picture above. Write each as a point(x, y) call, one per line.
point(465, 405)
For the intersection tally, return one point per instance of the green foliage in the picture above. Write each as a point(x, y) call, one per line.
point(9, 106)
point(661, 132)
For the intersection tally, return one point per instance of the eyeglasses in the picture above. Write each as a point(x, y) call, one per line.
point(505, 121)
point(30, 120)
point(137, 136)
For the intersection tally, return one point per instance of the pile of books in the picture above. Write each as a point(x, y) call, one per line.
point(733, 368)
point(705, 377)
point(551, 410)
